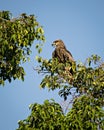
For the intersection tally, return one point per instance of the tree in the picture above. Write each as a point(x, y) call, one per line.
point(16, 38)
point(86, 87)
point(48, 116)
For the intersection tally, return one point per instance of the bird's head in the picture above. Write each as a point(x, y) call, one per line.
point(58, 43)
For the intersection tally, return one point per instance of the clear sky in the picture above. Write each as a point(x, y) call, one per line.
point(79, 23)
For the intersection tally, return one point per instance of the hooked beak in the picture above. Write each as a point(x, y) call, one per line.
point(53, 44)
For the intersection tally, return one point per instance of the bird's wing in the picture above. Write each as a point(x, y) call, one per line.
point(53, 54)
point(62, 55)
point(67, 55)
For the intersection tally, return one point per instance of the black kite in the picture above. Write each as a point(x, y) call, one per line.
point(61, 53)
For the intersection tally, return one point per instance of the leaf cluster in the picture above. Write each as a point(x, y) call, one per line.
point(16, 38)
point(84, 115)
point(56, 74)
point(87, 78)
point(48, 116)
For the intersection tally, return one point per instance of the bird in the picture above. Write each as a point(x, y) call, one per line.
point(61, 53)
point(63, 56)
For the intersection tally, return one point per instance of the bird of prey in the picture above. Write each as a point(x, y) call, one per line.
point(63, 56)
point(61, 53)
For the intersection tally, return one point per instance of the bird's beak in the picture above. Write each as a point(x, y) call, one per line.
point(53, 44)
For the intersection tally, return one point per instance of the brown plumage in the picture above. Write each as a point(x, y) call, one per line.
point(61, 53)
point(64, 56)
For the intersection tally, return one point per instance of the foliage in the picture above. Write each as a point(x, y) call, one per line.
point(85, 88)
point(88, 78)
point(48, 116)
point(85, 114)
point(16, 38)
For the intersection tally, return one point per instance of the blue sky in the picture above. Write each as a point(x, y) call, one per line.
point(79, 23)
